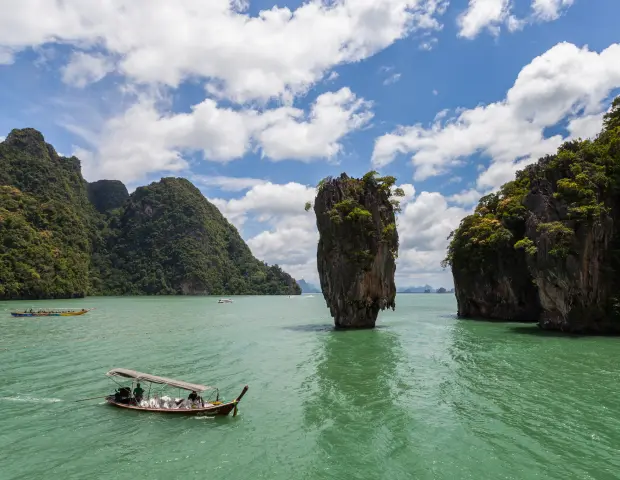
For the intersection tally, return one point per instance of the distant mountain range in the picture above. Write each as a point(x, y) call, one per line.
point(310, 288)
point(424, 289)
point(307, 287)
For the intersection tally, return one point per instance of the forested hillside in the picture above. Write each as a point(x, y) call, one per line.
point(61, 237)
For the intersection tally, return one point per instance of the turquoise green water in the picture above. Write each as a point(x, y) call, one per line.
point(424, 396)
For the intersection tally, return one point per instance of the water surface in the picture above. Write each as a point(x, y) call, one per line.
point(424, 396)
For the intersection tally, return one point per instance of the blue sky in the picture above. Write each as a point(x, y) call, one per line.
point(256, 105)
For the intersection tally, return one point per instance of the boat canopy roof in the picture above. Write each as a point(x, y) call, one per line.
point(123, 372)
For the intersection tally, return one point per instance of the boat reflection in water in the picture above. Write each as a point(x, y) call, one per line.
point(195, 404)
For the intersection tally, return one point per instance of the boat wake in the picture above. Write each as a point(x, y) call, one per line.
point(31, 399)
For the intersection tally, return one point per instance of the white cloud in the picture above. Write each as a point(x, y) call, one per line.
point(492, 14)
point(548, 10)
point(291, 236)
point(332, 116)
point(6, 56)
point(392, 79)
point(409, 191)
point(268, 201)
point(144, 139)
point(429, 44)
point(565, 83)
point(426, 222)
point(423, 228)
point(482, 14)
point(227, 184)
point(587, 126)
point(466, 198)
point(84, 68)
point(278, 53)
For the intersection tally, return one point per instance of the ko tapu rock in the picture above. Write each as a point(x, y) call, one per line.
point(546, 247)
point(358, 246)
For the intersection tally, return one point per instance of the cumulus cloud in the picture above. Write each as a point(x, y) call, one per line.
point(290, 235)
point(144, 139)
point(466, 197)
point(84, 68)
point(491, 15)
point(268, 201)
point(331, 117)
point(482, 14)
point(548, 10)
point(276, 54)
point(566, 83)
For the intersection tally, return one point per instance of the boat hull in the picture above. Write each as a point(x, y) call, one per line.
point(65, 314)
point(220, 410)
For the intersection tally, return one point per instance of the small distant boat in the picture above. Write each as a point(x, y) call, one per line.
point(52, 312)
point(224, 300)
point(124, 398)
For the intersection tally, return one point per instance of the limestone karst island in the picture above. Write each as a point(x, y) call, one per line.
point(62, 237)
point(358, 246)
point(546, 247)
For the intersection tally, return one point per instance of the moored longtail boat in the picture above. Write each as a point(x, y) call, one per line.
point(51, 312)
point(124, 397)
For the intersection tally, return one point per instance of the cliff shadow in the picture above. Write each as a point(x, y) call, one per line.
point(314, 327)
point(536, 331)
point(356, 413)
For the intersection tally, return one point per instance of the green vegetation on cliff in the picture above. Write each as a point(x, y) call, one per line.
point(557, 225)
point(45, 220)
point(351, 211)
point(106, 195)
point(61, 237)
point(585, 174)
point(169, 239)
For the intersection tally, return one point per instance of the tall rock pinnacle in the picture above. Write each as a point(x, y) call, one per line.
point(357, 248)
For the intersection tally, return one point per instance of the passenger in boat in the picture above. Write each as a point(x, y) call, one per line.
point(193, 397)
point(138, 392)
point(122, 395)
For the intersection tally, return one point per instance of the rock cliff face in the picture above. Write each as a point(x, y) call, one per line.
point(357, 248)
point(546, 247)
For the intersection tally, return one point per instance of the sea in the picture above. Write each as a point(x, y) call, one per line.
point(422, 396)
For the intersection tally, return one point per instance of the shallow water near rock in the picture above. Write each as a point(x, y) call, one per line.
point(424, 396)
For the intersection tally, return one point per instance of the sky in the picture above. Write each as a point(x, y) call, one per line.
point(255, 102)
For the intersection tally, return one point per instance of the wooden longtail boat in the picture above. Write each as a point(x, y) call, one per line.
point(52, 312)
point(124, 398)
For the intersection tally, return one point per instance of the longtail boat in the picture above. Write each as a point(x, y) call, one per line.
point(51, 312)
point(125, 397)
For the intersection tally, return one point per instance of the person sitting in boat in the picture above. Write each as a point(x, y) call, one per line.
point(193, 397)
point(122, 395)
point(138, 392)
